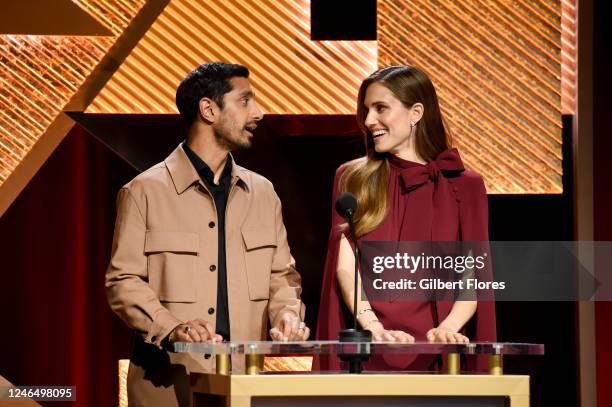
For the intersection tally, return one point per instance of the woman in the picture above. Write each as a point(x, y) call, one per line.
point(410, 186)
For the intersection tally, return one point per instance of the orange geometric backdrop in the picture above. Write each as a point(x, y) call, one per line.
point(497, 67)
point(39, 75)
point(291, 74)
point(505, 72)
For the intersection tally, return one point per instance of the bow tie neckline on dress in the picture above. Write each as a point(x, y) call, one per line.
point(414, 176)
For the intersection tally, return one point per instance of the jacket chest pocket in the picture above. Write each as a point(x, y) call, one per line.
point(171, 262)
point(260, 245)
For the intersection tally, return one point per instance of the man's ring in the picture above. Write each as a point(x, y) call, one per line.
point(187, 329)
point(302, 326)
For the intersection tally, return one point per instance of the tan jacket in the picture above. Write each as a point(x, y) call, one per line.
point(165, 243)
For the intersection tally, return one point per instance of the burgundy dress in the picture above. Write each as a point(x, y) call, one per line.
point(439, 201)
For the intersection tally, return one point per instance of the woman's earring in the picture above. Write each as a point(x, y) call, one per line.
point(412, 128)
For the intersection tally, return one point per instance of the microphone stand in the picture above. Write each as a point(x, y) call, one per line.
point(354, 334)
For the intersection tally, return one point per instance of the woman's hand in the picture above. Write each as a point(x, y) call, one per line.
point(380, 334)
point(444, 335)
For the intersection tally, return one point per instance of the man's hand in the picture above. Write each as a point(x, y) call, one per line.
point(197, 330)
point(290, 328)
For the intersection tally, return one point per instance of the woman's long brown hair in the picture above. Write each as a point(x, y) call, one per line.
point(367, 178)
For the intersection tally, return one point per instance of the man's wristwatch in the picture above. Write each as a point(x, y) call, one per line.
point(169, 340)
point(172, 336)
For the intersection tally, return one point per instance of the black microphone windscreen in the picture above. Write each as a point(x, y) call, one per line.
point(346, 204)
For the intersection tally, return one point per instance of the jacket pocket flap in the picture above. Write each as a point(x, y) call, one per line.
point(256, 237)
point(177, 242)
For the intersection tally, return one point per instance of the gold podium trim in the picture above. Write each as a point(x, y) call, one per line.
point(240, 388)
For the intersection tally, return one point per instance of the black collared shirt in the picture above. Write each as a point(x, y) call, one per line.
point(220, 195)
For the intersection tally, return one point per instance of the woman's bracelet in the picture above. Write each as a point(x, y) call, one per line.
point(363, 311)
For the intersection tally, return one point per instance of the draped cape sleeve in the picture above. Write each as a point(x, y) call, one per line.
point(474, 224)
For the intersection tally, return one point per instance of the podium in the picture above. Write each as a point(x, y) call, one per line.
point(305, 389)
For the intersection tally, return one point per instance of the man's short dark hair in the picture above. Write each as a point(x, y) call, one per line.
point(210, 80)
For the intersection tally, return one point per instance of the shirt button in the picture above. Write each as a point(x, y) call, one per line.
point(211, 311)
point(211, 225)
point(212, 267)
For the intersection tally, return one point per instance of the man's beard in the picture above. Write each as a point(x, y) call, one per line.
point(224, 138)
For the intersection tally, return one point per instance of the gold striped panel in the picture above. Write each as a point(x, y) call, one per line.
point(124, 367)
point(287, 364)
point(290, 73)
point(39, 75)
point(114, 14)
point(496, 66)
point(569, 21)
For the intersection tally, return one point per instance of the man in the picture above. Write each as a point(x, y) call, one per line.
point(200, 250)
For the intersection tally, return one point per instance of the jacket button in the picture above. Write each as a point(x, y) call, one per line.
point(212, 267)
point(211, 310)
point(211, 225)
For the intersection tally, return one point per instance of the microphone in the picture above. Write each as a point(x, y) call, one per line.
point(346, 206)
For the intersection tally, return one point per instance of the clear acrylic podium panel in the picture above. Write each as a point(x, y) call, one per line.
point(365, 348)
